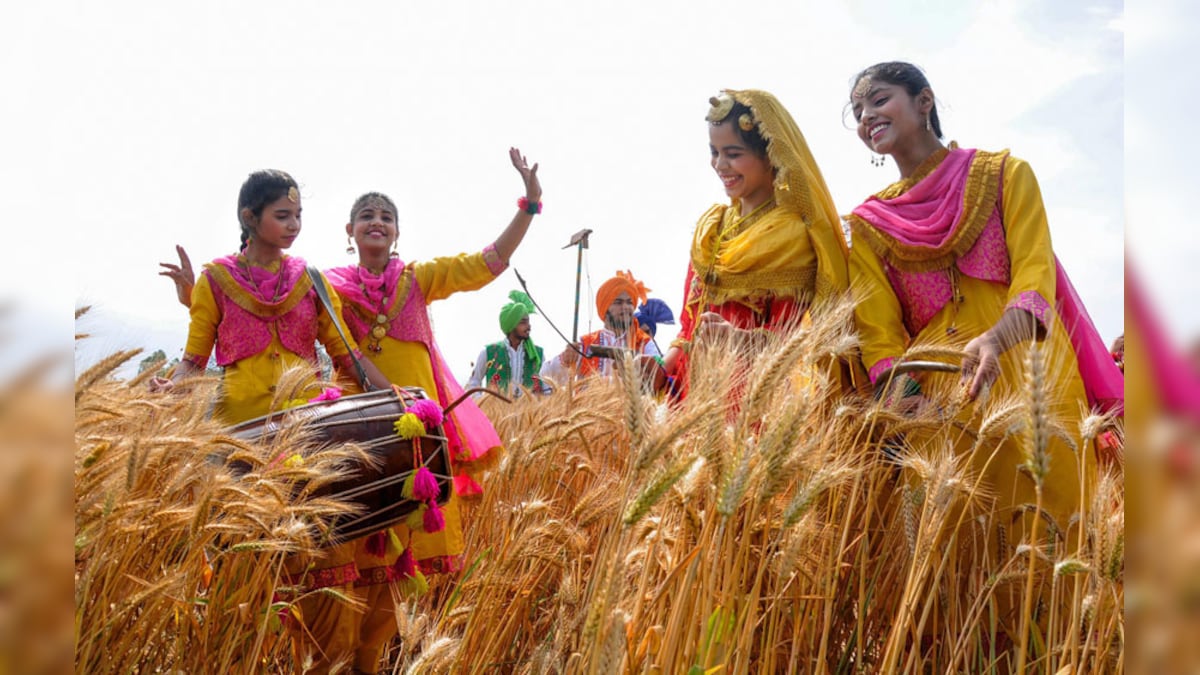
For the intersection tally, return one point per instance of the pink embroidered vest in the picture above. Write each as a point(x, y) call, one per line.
point(241, 333)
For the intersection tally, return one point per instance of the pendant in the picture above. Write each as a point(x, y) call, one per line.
point(951, 330)
point(381, 319)
point(378, 332)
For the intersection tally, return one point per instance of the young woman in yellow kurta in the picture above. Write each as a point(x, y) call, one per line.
point(258, 307)
point(776, 250)
point(958, 252)
point(385, 305)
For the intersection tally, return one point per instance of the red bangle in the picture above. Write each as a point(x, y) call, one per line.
point(532, 208)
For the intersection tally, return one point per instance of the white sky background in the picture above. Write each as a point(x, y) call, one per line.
point(133, 124)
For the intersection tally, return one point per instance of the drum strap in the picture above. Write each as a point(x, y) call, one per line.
point(319, 287)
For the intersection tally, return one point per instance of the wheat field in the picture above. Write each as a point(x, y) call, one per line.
point(769, 523)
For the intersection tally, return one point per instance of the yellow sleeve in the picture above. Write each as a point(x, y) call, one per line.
point(1027, 235)
point(441, 277)
point(327, 332)
point(877, 311)
point(202, 329)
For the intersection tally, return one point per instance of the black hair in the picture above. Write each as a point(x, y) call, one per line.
point(262, 188)
point(753, 139)
point(901, 74)
point(370, 196)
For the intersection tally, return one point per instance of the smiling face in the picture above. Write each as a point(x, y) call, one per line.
point(746, 175)
point(279, 224)
point(373, 226)
point(889, 118)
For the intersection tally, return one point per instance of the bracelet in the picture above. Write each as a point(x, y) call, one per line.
point(532, 208)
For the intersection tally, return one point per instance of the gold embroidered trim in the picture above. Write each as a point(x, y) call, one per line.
point(244, 299)
point(979, 201)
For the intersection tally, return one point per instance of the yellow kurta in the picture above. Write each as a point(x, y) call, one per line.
point(335, 626)
point(881, 326)
point(248, 385)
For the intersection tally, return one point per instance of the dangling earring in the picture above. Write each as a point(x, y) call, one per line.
point(349, 246)
point(928, 124)
point(877, 160)
point(395, 249)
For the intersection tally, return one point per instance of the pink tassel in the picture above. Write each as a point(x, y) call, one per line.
point(425, 485)
point(429, 412)
point(405, 566)
point(434, 520)
point(377, 544)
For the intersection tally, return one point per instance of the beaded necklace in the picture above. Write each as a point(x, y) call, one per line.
point(244, 263)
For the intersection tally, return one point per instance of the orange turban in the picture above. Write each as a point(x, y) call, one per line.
point(622, 283)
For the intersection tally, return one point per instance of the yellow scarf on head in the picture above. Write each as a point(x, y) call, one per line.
point(791, 247)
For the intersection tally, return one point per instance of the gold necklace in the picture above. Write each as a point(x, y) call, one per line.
point(380, 327)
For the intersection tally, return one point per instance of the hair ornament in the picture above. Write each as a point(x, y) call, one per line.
point(721, 104)
point(293, 195)
point(862, 88)
point(746, 122)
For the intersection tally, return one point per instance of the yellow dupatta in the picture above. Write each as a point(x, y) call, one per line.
point(768, 251)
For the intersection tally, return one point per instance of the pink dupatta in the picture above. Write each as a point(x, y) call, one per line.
point(928, 216)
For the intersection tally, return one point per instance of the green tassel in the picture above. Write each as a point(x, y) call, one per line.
point(416, 520)
point(395, 546)
point(407, 488)
point(415, 586)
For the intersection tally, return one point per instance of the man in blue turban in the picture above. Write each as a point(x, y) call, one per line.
point(511, 365)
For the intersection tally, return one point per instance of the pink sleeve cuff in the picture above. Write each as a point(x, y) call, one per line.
point(492, 258)
point(1035, 304)
point(879, 368)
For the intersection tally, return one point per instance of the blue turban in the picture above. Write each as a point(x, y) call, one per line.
point(653, 312)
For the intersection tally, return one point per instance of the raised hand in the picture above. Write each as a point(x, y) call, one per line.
point(182, 275)
point(533, 188)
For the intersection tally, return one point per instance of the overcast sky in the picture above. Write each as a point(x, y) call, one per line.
point(133, 124)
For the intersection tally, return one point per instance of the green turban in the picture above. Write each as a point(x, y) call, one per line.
point(519, 307)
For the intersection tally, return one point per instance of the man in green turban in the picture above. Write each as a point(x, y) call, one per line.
point(513, 364)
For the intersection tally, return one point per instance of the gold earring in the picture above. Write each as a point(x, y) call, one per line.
point(928, 124)
point(349, 246)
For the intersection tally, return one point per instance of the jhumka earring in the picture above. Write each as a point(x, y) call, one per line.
point(349, 246)
point(877, 160)
point(928, 124)
point(395, 249)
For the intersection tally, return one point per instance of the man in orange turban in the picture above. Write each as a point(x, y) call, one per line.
point(616, 301)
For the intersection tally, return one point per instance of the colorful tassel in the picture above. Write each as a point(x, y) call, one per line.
point(327, 394)
point(409, 426)
point(294, 462)
point(295, 403)
point(405, 566)
point(395, 546)
point(415, 520)
point(434, 521)
point(429, 412)
point(414, 586)
point(407, 488)
point(425, 485)
point(376, 544)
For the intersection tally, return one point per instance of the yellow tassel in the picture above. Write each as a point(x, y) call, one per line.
point(409, 426)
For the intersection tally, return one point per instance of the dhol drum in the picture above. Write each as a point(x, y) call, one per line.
point(366, 420)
